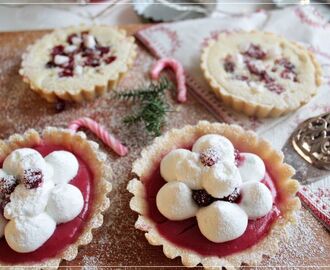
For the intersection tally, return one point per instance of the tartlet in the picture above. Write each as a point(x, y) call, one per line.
point(259, 73)
point(178, 214)
point(59, 196)
point(77, 63)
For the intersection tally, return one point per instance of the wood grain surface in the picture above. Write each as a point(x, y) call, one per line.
point(118, 243)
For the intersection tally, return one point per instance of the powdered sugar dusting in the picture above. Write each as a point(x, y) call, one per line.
point(118, 243)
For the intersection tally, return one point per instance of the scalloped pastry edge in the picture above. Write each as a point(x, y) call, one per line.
point(249, 142)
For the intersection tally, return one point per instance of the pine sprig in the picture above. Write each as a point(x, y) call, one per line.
point(153, 106)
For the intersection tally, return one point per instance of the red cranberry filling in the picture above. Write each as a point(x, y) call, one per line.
point(90, 57)
point(65, 233)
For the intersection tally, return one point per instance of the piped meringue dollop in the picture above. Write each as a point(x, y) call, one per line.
point(252, 168)
point(257, 199)
point(27, 202)
point(64, 164)
point(34, 211)
point(27, 234)
point(184, 165)
point(60, 198)
point(222, 221)
point(21, 159)
point(221, 179)
point(221, 144)
point(174, 201)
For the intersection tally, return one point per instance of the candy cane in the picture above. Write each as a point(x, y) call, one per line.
point(179, 74)
point(101, 133)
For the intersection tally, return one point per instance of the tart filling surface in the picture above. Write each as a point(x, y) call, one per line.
point(50, 197)
point(77, 63)
point(209, 194)
point(260, 73)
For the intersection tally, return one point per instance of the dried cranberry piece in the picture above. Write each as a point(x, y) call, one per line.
point(103, 50)
point(202, 198)
point(88, 53)
point(60, 106)
point(232, 197)
point(209, 157)
point(275, 87)
point(241, 77)
point(253, 68)
point(285, 63)
point(229, 64)
point(58, 50)
point(7, 184)
point(32, 178)
point(254, 51)
point(70, 38)
point(93, 62)
point(50, 64)
point(110, 59)
point(265, 77)
point(67, 72)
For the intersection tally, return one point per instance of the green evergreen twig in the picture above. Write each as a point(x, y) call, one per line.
point(153, 106)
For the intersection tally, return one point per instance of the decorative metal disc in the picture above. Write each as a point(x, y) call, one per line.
point(312, 141)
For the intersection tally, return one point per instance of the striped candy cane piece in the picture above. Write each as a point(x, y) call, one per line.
point(179, 75)
point(101, 133)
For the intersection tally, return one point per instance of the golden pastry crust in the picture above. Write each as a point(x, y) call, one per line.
point(80, 89)
point(78, 144)
point(248, 142)
point(252, 107)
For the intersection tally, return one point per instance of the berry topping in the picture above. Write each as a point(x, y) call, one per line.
point(285, 63)
point(71, 38)
point(7, 184)
point(66, 73)
point(33, 178)
point(253, 68)
point(229, 64)
point(239, 159)
point(103, 50)
point(241, 77)
point(202, 198)
point(209, 157)
point(275, 87)
point(232, 197)
point(110, 59)
point(58, 50)
point(81, 49)
point(50, 64)
point(254, 51)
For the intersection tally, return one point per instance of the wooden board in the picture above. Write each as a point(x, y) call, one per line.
point(118, 243)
